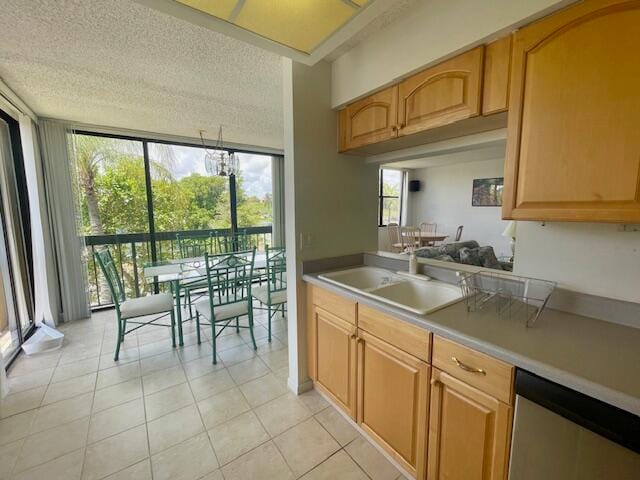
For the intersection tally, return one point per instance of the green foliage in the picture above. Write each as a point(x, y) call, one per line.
point(115, 182)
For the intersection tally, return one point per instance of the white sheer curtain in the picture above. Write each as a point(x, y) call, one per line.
point(62, 209)
point(277, 176)
point(45, 276)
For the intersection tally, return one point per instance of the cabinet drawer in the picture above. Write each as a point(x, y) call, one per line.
point(333, 303)
point(400, 334)
point(486, 373)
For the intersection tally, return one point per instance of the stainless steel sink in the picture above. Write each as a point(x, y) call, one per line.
point(418, 295)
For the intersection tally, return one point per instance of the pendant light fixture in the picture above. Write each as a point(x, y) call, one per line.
point(219, 162)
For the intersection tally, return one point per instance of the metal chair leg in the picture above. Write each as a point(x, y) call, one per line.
point(173, 328)
point(198, 326)
point(117, 354)
point(213, 340)
point(253, 339)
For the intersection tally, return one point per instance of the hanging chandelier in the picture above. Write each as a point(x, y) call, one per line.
point(219, 162)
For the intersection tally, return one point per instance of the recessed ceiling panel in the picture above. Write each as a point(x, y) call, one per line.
point(218, 8)
point(298, 24)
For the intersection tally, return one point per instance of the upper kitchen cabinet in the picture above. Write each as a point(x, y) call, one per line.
point(370, 120)
point(497, 63)
point(573, 149)
point(441, 95)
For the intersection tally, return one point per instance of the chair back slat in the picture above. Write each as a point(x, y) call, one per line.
point(192, 246)
point(237, 242)
point(410, 237)
point(276, 270)
point(229, 277)
point(110, 272)
point(459, 233)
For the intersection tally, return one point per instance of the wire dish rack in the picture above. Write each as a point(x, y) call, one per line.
point(517, 297)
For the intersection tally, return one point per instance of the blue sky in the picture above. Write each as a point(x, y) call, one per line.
point(256, 169)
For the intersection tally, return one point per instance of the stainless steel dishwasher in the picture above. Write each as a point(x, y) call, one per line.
point(561, 434)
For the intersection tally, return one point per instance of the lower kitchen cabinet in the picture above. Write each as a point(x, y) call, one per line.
point(393, 399)
point(335, 356)
point(469, 432)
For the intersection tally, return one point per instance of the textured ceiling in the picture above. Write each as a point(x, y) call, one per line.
point(117, 63)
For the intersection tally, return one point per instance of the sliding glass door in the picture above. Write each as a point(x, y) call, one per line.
point(16, 287)
point(138, 195)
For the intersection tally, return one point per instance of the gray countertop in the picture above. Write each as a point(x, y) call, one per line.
point(598, 358)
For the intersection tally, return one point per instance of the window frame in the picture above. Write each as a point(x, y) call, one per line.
point(145, 141)
point(382, 197)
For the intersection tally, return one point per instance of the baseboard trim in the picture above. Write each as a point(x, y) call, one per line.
point(365, 435)
point(299, 388)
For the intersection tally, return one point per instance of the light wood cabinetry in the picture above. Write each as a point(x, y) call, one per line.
point(331, 345)
point(497, 65)
point(573, 150)
point(407, 337)
point(437, 103)
point(489, 374)
point(370, 120)
point(335, 350)
point(450, 421)
point(393, 400)
point(443, 94)
point(469, 432)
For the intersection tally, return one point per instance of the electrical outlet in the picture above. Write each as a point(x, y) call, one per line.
point(305, 240)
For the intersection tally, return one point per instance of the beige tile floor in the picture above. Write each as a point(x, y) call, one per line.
point(163, 413)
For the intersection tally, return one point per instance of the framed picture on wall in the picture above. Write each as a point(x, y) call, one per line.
point(487, 192)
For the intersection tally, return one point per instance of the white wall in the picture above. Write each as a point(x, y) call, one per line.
point(330, 199)
point(431, 30)
point(445, 197)
point(591, 258)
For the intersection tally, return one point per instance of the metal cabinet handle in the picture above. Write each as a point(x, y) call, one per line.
point(467, 368)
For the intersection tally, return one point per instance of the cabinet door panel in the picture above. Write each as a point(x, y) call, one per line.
point(336, 359)
point(442, 94)
point(370, 120)
point(573, 147)
point(469, 432)
point(393, 400)
point(497, 64)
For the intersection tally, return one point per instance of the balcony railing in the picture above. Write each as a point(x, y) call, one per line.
point(133, 250)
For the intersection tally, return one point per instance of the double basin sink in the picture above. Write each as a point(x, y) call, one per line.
point(415, 293)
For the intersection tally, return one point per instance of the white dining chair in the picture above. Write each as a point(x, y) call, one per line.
point(430, 228)
point(395, 242)
point(410, 238)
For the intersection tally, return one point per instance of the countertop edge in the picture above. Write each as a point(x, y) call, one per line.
point(600, 392)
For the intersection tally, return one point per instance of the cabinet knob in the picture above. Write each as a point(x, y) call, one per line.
point(394, 128)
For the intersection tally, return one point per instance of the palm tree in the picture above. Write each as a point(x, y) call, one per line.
point(95, 153)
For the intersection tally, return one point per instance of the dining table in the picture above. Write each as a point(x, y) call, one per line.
point(426, 238)
point(185, 272)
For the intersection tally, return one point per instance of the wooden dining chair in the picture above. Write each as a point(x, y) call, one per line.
point(410, 238)
point(430, 228)
point(395, 242)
